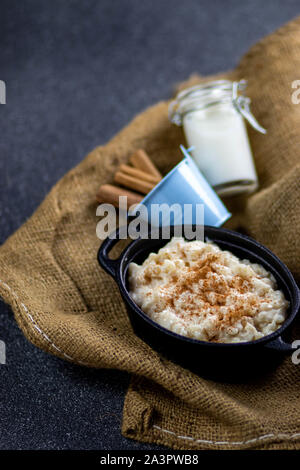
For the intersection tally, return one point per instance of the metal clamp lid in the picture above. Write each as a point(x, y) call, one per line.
point(203, 96)
point(242, 104)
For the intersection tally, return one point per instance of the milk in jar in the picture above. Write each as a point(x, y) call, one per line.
point(213, 118)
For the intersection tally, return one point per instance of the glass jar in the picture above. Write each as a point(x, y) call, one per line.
point(212, 116)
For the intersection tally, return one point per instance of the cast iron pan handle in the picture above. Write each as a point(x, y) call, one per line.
point(280, 345)
point(109, 265)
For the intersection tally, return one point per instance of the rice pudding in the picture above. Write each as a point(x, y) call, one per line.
point(197, 290)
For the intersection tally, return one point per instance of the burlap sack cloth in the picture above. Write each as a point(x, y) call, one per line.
point(68, 306)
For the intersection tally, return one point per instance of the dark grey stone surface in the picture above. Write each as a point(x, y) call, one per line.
point(77, 72)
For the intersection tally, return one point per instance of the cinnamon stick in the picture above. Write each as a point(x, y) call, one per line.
point(129, 170)
point(141, 161)
point(133, 183)
point(110, 194)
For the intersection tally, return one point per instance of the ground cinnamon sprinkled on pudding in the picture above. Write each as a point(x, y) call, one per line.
point(197, 290)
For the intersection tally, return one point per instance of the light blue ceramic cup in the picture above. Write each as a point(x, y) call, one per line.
point(186, 191)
